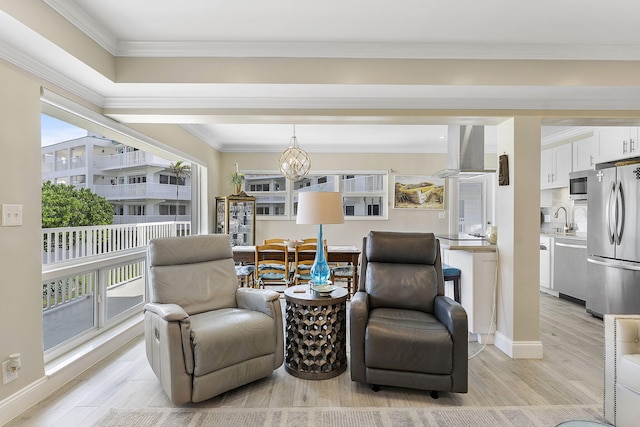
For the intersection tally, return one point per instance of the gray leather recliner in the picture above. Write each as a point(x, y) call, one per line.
point(203, 334)
point(404, 331)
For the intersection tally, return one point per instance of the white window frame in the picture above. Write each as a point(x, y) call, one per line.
point(289, 193)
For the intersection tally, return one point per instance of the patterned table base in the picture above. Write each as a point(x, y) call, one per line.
point(316, 340)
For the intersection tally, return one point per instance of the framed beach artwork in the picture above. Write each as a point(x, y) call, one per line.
point(418, 192)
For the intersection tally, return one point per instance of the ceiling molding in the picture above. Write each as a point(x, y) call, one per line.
point(85, 23)
point(484, 51)
point(27, 63)
point(203, 135)
point(568, 134)
point(439, 103)
point(334, 148)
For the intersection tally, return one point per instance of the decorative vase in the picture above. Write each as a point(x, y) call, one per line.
point(237, 189)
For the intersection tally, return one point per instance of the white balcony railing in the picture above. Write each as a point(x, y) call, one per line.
point(130, 219)
point(63, 244)
point(134, 158)
point(143, 191)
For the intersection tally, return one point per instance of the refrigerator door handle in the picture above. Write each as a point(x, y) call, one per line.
point(610, 231)
point(619, 212)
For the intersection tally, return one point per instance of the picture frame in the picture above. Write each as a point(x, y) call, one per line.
point(418, 192)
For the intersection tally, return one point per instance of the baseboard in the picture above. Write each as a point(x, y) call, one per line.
point(518, 349)
point(61, 371)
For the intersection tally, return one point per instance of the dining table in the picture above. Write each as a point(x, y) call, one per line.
point(338, 254)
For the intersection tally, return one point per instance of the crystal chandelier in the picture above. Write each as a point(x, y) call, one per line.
point(294, 161)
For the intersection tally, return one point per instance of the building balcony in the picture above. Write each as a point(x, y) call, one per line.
point(143, 191)
point(132, 159)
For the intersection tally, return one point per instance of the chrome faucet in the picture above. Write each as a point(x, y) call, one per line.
point(566, 224)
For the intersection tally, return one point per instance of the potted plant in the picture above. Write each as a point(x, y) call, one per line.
point(237, 179)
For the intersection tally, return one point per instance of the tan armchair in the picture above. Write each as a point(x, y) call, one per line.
point(404, 331)
point(203, 334)
point(622, 369)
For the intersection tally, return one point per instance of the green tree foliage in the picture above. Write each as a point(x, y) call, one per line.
point(67, 206)
point(181, 171)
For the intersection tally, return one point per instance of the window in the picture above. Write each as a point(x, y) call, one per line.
point(83, 292)
point(171, 179)
point(471, 208)
point(364, 194)
point(137, 179)
point(171, 210)
point(270, 191)
point(136, 210)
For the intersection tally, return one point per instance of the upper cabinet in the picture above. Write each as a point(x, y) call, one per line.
point(555, 166)
point(585, 152)
point(616, 143)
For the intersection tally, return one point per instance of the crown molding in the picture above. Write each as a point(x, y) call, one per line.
point(497, 51)
point(205, 136)
point(37, 68)
point(334, 148)
point(84, 23)
point(573, 134)
point(394, 103)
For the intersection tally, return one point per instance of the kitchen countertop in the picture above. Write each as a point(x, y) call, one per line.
point(574, 236)
point(456, 243)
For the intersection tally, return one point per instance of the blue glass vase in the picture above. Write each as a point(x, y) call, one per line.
point(320, 269)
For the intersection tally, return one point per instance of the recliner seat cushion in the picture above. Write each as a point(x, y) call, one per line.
point(407, 340)
point(225, 337)
point(629, 372)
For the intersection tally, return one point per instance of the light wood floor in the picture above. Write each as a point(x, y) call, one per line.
point(571, 373)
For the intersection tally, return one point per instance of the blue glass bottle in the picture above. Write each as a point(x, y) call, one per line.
point(320, 269)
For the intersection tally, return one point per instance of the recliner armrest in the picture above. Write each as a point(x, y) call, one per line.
point(257, 300)
point(358, 317)
point(168, 312)
point(452, 315)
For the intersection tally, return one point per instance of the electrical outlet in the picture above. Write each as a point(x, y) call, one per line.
point(442, 215)
point(8, 374)
point(11, 215)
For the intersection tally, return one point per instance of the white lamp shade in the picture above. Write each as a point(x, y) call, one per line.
point(320, 208)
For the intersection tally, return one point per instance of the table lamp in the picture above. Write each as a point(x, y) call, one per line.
point(320, 208)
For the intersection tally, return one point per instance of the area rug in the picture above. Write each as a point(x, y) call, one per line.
point(539, 416)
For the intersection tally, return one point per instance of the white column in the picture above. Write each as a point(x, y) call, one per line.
point(517, 219)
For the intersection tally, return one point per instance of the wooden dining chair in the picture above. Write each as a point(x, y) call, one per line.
point(275, 241)
point(304, 257)
point(272, 265)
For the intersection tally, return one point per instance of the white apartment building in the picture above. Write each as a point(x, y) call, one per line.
point(139, 185)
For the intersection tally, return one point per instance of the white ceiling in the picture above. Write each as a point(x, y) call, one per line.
point(457, 29)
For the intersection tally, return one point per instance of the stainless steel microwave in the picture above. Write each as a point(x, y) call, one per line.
point(578, 185)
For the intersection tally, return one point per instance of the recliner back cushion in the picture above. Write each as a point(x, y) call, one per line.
point(402, 248)
point(403, 270)
point(195, 272)
point(405, 286)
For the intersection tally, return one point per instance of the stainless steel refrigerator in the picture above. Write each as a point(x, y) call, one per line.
point(613, 243)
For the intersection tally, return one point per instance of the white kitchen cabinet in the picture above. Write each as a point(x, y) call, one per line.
point(616, 143)
point(546, 277)
point(555, 166)
point(477, 289)
point(585, 152)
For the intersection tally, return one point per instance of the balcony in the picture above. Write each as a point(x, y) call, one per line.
point(131, 159)
point(143, 191)
point(94, 277)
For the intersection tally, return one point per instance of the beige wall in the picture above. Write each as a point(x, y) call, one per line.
point(20, 247)
point(352, 231)
point(20, 264)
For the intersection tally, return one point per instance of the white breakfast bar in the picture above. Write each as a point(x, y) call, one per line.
point(477, 261)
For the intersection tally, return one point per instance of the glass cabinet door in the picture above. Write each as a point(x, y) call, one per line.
point(235, 215)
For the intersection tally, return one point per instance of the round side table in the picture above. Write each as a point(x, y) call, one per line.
point(316, 332)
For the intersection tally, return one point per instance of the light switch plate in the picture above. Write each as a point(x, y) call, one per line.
point(11, 215)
